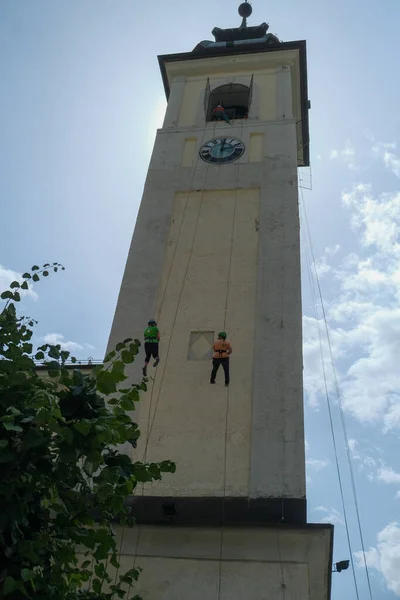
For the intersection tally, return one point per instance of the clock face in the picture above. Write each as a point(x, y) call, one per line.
point(222, 150)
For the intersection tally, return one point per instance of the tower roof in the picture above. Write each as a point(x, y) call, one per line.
point(239, 37)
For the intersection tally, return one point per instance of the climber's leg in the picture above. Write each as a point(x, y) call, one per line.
point(216, 362)
point(155, 353)
point(148, 350)
point(225, 366)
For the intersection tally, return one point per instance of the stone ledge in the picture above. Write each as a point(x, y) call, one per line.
point(210, 511)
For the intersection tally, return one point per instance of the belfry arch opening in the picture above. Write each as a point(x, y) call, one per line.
point(234, 97)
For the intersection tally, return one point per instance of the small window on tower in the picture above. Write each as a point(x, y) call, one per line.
point(235, 98)
point(200, 345)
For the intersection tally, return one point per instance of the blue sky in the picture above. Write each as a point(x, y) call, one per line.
point(80, 100)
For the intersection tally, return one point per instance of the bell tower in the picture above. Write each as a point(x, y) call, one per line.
point(216, 247)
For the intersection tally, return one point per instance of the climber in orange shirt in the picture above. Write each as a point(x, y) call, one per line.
point(221, 352)
point(219, 114)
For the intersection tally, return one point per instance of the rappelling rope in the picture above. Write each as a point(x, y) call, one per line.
point(152, 420)
point(312, 256)
point(228, 389)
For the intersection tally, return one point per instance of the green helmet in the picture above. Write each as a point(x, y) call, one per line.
point(222, 335)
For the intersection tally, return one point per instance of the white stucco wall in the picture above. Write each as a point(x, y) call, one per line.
point(251, 207)
point(229, 564)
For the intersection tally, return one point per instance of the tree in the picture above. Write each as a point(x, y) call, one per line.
point(64, 483)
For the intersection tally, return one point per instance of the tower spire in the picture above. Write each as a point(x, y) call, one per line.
point(245, 11)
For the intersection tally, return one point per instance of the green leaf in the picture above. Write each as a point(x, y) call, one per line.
point(83, 427)
point(14, 284)
point(25, 363)
point(114, 561)
point(34, 438)
point(3, 443)
point(167, 466)
point(16, 297)
point(11, 426)
point(6, 366)
point(96, 585)
point(64, 355)
point(55, 269)
point(35, 277)
point(77, 377)
point(39, 355)
point(27, 419)
point(106, 384)
point(26, 276)
point(120, 346)
point(127, 357)
point(9, 585)
point(100, 570)
point(133, 573)
point(25, 286)
point(110, 356)
point(27, 574)
point(54, 352)
point(68, 435)
point(35, 268)
point(45, 273)
point(8, 457)
point(90, 467)
point(127, 403)
point(46, 265)
point(6, 295)
point(127, 340)
point(86, 564)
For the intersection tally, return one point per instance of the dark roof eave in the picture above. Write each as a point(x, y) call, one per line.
point(296, 45)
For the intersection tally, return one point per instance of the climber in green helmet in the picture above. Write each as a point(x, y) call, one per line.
point(221, 352)
point(151, 341)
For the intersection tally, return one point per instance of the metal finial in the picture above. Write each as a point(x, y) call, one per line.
point(244, 11)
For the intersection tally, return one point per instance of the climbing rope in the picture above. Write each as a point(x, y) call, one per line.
point(151, 419)
point(311, 258)
point(282, 399)
point(228, 389)
point(150, 422)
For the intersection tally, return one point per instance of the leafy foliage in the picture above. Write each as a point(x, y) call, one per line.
point(64, 483)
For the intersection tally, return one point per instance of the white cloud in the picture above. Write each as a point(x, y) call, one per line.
point(332, 515)
point(57, 338)
point(317, 463)
point(383, 151)
point(314, 464)
point(371, 462)
point(347, 154)
point(364, 318)
point(388, 475)
point(385, 557)
point(332, 250)
point(7, 276)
